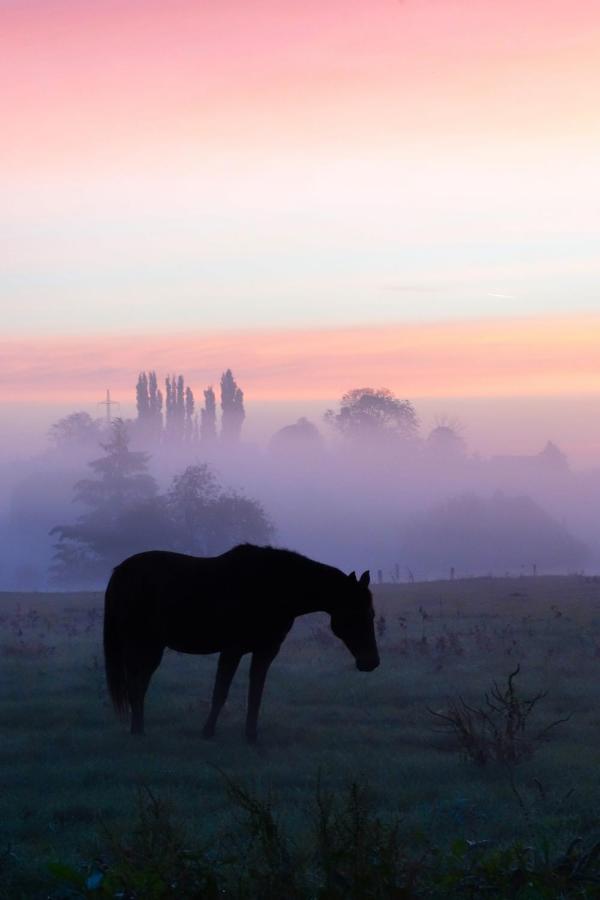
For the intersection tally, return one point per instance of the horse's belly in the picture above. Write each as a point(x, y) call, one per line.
point(207, 637)
point(191, 646)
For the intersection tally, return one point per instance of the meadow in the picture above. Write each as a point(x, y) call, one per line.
point(72, 778)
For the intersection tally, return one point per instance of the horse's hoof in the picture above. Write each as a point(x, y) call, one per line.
point(208, 733)
point(251, 738)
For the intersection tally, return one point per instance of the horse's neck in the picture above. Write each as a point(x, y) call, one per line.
point(304, 608)
point(311, 598)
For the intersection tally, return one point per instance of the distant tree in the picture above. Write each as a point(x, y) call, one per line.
point(370, 413)
point(232, 405)
point(155, 403)
point(190, 500)
point(76, 430)
point(175, 425)
point(180, 404)
point(120, 475)
point(119, 491)
point(445, 441)
point(481, 534)
point(149, 406)
point(169, 406)
point(208, 416)
point(301, 437)
point(553, 458)
point(207, 520)
point(126, 515)
point(238, 519)
point(191, 428)
point(141, 396)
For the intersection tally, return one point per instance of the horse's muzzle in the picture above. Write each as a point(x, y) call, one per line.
point(367, 665)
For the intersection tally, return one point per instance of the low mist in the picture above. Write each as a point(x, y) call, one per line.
point(364, 485)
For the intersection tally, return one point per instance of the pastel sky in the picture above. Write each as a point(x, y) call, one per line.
point(316, 176)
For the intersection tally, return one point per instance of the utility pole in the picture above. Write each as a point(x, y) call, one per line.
point(108, 404)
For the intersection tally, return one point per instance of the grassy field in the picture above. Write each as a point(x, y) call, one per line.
point(69, 770)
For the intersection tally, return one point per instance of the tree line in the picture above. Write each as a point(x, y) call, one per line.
point(179, 422)
point(125, 513)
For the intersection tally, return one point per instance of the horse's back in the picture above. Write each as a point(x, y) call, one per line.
point(198, 604)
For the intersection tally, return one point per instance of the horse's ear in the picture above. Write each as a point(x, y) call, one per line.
point(352, 576)
point(365, 579)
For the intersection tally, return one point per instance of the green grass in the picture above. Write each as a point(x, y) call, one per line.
point(66, 763)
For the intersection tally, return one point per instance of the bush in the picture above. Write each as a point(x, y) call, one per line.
point(497, 731)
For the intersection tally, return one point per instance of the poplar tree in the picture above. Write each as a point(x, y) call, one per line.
point(190, 424)
point(208, 416)
point(155, 401)
point(142, 398)
point(232, 405)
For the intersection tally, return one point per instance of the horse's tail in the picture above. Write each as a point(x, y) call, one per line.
point(114, 659)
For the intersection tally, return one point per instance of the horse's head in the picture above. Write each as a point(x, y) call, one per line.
point(352, 621)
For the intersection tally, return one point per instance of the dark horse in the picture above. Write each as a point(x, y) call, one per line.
point(244, 601)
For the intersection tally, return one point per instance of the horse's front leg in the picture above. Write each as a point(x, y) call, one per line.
point(261, 660)
point(229, 660)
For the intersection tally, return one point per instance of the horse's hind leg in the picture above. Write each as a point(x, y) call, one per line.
point(229, 660)
point(140, 665)
point(261, 660)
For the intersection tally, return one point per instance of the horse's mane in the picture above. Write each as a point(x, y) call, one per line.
point(279, 554)
point(253, 549)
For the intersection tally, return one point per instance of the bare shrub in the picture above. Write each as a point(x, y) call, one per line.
point(497, 731)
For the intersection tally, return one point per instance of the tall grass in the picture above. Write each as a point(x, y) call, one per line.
point(66, 764)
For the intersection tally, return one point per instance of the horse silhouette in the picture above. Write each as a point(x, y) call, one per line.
point(244, 601)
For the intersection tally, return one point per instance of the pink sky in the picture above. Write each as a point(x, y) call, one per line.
point(321, 195)
point(485, 358)
point(133, 76)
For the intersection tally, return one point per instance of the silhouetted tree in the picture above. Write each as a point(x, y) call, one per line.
point(120, 492)
point(237, 519)
point(553, 458)
point(369, 413)
point(149, 406)
point(482, 534)
point(232, 405)
point(206, 520)
point(445, 442)
point(76, 430)
point(208, 416)
point(189, 501)
point(191, 427)
point(301, 437)
point(175, 425)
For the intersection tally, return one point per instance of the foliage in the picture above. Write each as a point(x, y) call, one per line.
point(501, 532)
point(190, 500)
point(236, 519)
point(232, 406)
point(445, 442)
point(123, 507)
point(498, 730)
point(150, 863)
point(149, 402)
point(128, 516)
point(208, 416)
point(349, 854)
point(206, 520)
point(302, 436)
point(369, 413)
point(76, 430)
